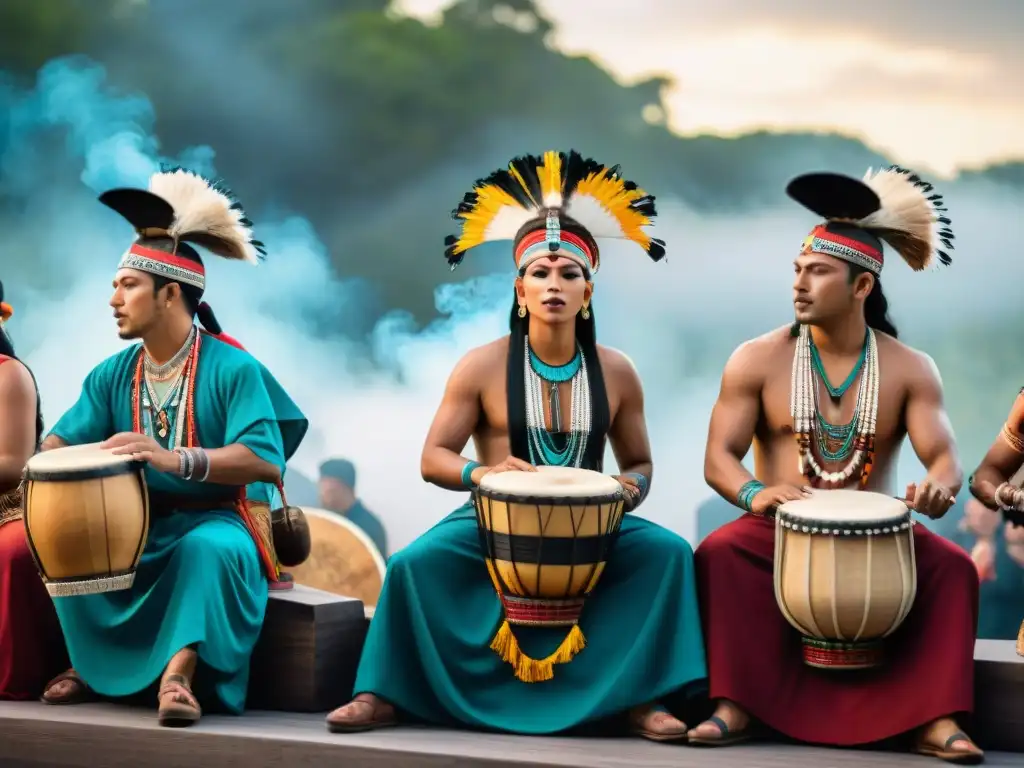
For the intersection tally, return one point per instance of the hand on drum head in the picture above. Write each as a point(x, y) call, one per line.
point(631, 488)
point(769, 498)
point(929, 498)
point(143, 448)
point(511, 464)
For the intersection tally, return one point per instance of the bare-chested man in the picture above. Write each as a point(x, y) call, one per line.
point(31, 643)
point(429, 652)
point(996, 484)
point(756, 671)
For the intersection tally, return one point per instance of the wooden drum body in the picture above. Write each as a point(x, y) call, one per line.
point(546, 536)
point(845, 574)
point(87, 519)
point(342, 559)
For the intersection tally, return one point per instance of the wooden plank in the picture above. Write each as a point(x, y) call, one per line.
point(92, 735)
point(86, 736)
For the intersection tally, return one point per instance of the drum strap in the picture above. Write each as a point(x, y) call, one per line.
point(260, 531)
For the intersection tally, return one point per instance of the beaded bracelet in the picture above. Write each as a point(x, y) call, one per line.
point(747, 492)
point(467, 473)
point(641, 481)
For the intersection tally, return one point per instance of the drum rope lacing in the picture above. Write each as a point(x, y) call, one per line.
point(540, 441)
point(806, 414)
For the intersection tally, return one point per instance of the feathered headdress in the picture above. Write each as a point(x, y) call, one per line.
point(556, 203)
point(892, 205)
point(181, 207)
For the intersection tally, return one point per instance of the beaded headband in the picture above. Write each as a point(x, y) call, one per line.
point(530, 201)
point(185, 207)
point(552, 240)
point(164, 264)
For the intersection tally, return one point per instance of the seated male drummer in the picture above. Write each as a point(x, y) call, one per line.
point(822, 439)
point(31, 643)
point(545, 394)
point(209, 420)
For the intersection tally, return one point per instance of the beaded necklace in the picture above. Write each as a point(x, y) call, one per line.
point(857, 438)
point(181, 394)
point(175, 371)
point(542, 443)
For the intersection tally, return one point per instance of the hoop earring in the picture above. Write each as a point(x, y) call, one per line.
point(585, 313)
point(522, 310)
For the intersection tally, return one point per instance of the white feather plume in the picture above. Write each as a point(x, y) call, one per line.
point(206, 214)
point(910, 217)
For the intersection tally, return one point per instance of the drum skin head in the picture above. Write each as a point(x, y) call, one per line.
point(561, 482)
point(846, 505)
point(84, 460)
point(342, 558)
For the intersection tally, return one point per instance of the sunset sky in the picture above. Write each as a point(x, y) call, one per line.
point(937, 89)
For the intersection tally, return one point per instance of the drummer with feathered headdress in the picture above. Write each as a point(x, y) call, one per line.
point(829, 400)
point(210, 421)
point(440, 645)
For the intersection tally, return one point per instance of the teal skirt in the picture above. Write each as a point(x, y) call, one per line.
point(199, 583)
point(428, 648)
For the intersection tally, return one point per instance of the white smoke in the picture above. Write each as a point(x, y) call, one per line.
point(726, 278)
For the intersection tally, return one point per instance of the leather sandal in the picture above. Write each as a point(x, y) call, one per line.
point(973, 756)
point(380, 715)
point(182, 709)
point(727, 738)
point(639, 721)
point(80, 693)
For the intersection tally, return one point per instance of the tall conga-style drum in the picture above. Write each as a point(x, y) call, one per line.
point(87, 518)
point(845, 574)
point(342, 559)
point(546, 537)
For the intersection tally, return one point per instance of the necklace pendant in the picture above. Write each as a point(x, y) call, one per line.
point(164, 424)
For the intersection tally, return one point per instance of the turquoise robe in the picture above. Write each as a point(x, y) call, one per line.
point(369, 524)
point(200, 581)
point(428, 647)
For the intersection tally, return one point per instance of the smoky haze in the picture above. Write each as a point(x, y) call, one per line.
point(370, 389)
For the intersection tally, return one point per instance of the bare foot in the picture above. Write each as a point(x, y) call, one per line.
point(654, 723)
point(942, 738)
point(67, 688)
point(364, 713)
point(728, 725)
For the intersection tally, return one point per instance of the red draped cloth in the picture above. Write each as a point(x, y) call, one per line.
point(31, 643)
point(755, 656)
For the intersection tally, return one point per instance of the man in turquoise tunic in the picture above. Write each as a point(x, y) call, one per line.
point(216, 430)
point(440, 647)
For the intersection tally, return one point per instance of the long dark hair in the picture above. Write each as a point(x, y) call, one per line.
point(7, 349)
point(876, 307)
point(593, 455)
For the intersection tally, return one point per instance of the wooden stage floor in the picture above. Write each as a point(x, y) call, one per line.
point(112, 736)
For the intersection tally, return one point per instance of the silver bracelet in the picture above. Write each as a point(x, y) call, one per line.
point(193, 461)
point(1016, 497)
